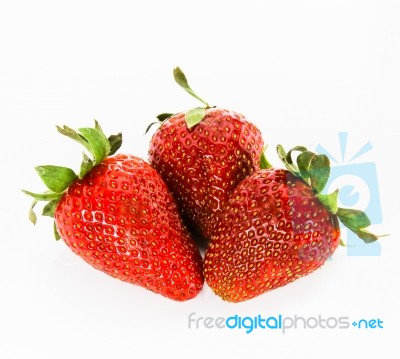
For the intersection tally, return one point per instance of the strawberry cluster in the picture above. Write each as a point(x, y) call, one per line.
point(208, 177)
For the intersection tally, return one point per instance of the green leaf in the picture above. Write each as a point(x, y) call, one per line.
point(151, 125)
point(50, 208)
point(303, 163)
point(94, 140)
point(164, 116)
point(47, 196)
point(329, 201)
point(69, 132)
point(319, 171)
point(283, 157)
point(296, 148)
point(32, 214)
point(195, 116)
point(115, 142)
point(98, 143)
point(181, 80)
point(57, 179)
point(353, 219)
point(86, 166)
point(264, 163)
point(369, 237)
point(56, 234)
point(281, 153)
point(366, 235)
point(98, 127)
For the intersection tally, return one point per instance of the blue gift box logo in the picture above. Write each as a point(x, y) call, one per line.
point(358, 183)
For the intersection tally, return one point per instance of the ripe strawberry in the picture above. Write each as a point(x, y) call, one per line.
point(202, 156)
point(276, 228)
point(119, 216)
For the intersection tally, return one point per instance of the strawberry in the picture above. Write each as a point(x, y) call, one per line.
point(203, 155)
point(278, 227)
point(119, 216)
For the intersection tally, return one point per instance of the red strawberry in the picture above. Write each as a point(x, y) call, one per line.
point(119, 216)
point(276, 228)
point(202, 156)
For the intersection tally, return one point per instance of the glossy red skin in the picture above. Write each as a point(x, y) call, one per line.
point(203, 165)
point(273, 231)
point(122, 220)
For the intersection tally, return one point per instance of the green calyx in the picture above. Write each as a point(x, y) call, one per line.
point(57, 179)
point(197, 114)
point(193, 116)
point(314, 169)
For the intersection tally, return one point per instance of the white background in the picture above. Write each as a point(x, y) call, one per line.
point(301, 70)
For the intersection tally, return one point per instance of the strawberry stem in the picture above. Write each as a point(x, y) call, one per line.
point(181, 80)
